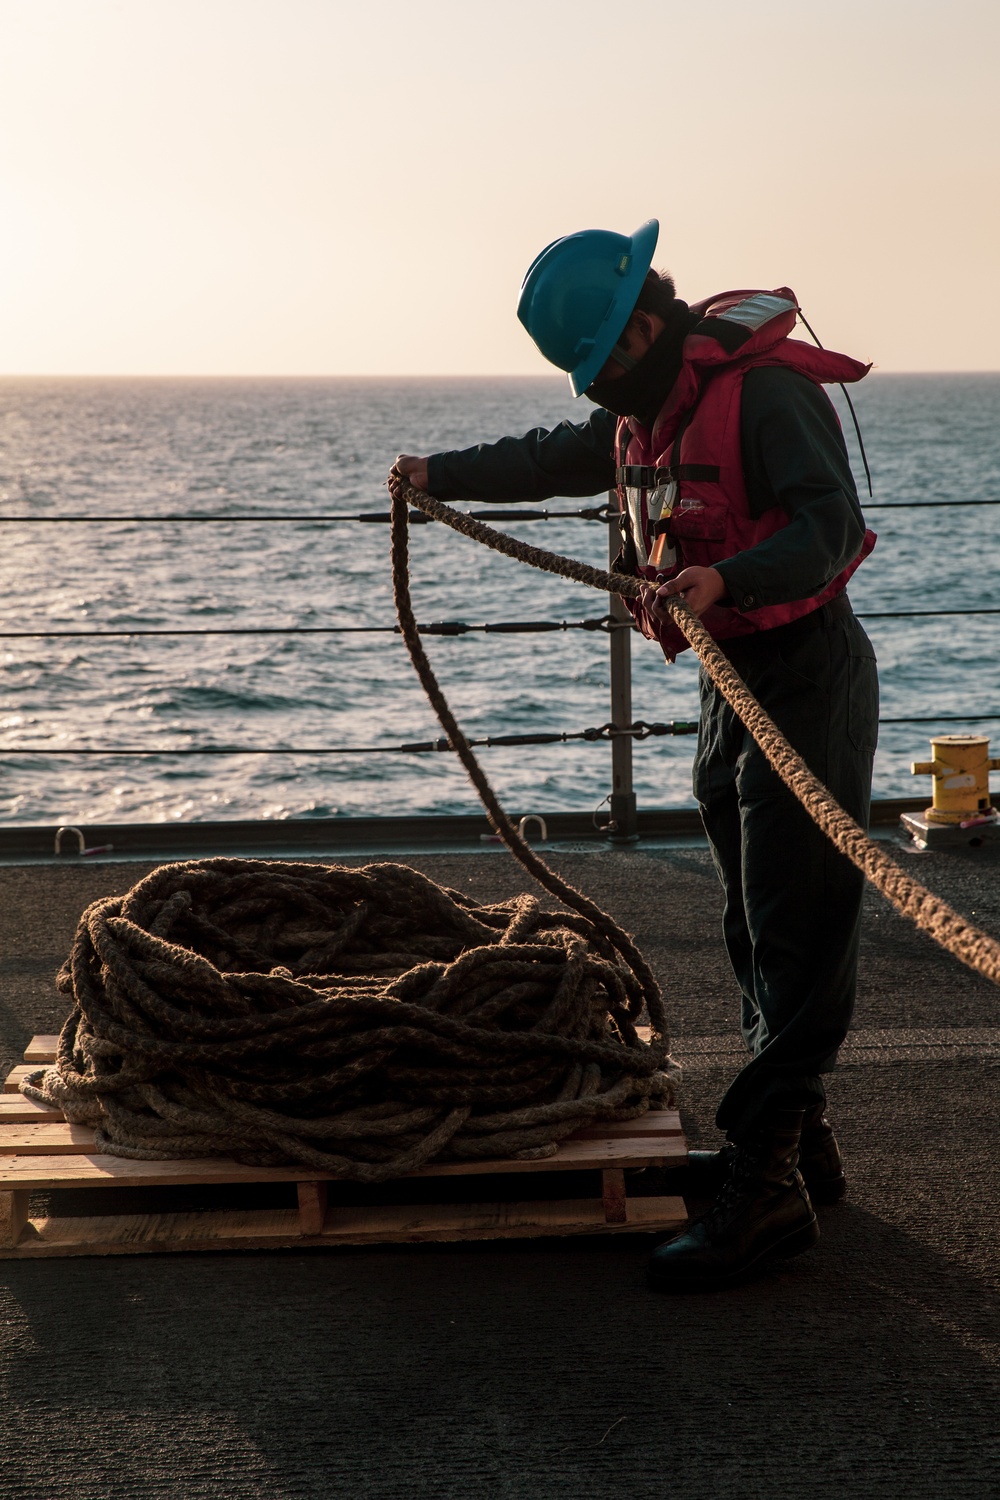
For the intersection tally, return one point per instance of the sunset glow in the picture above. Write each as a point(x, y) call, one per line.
point(247, 186)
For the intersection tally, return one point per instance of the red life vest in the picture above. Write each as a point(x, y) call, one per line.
point(680, 484)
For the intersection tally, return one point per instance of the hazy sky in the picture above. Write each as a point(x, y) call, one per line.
point(331, 186)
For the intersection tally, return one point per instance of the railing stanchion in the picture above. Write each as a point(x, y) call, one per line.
point(624, 814)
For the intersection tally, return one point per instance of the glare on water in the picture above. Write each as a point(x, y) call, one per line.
point(309, 446)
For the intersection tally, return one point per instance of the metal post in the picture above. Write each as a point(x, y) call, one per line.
point(624, 828)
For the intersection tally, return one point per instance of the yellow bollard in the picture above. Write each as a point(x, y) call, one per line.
point(961, 770)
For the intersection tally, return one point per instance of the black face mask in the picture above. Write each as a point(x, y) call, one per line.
point(641, 392)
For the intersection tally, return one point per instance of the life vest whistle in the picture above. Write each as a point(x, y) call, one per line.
point(659, 508)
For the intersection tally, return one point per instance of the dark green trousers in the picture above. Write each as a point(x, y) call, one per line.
point(793, 904)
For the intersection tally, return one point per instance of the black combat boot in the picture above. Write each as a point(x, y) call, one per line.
point(820, 1163)
point(761, 1214)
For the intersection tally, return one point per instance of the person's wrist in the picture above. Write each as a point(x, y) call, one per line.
point(719, 586)
point(725, 598)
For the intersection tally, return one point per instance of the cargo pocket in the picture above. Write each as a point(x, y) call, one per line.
point(700, 517)
point(862, 706)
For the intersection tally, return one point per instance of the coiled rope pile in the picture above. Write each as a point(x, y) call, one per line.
point(359, 1021)
point(363, 1022)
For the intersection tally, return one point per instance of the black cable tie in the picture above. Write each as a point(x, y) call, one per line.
point(422, 747)
point(674, 726)
point(641, 730)
point(524, 627)
point(539, 738)
point(591, 513)
point(442, 627)
point(607, 623)
point(383, 517)
point(513, 515)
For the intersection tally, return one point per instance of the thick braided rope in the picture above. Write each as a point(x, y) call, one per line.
point(913, 900)
point(359, 1021)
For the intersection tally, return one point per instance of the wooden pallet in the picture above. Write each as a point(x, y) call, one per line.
point(40, 1152)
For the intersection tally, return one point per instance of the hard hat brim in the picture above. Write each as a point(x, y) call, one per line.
point(643, 246)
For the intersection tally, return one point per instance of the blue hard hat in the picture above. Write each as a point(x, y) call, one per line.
point(579, 294)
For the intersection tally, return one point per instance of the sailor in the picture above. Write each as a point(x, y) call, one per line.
point(735, 491)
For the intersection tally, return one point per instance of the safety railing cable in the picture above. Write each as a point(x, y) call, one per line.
point(620, 735)
point(439, 627)
point(639, 730)
point(920, 614)
point(381, 517)
point(924, 504)
point(942, 719)
point(374, 517)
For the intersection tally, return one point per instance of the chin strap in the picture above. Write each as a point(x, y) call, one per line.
point(622, 357)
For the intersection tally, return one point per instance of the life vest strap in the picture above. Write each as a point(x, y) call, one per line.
point(705, 473)
point(641, 476)
point(646, 477)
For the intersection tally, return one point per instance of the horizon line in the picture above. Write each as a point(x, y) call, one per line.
point(368, 375)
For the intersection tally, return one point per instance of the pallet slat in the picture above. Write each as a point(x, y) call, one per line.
point(41, 1049)
point(15, 1109)
point(52, 1136)
point(263, 1229)
point(38, 1138)
point(656, 1122)
point(12, 1082)
point(80, 1169)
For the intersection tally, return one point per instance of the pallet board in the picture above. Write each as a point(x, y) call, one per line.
point(17, 1076)
point(41, 1152)
point(41, 1049)
point(15, 1109)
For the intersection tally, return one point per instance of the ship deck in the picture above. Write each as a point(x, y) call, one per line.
point(545, 1368)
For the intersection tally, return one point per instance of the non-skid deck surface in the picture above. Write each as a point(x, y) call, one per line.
point(40, 1151)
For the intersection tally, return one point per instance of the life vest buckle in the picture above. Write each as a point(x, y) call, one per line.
point(641, 476)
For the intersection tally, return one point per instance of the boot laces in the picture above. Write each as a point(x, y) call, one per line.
point(741, 1166)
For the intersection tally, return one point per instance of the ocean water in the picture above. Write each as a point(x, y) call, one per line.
point(223, 447)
